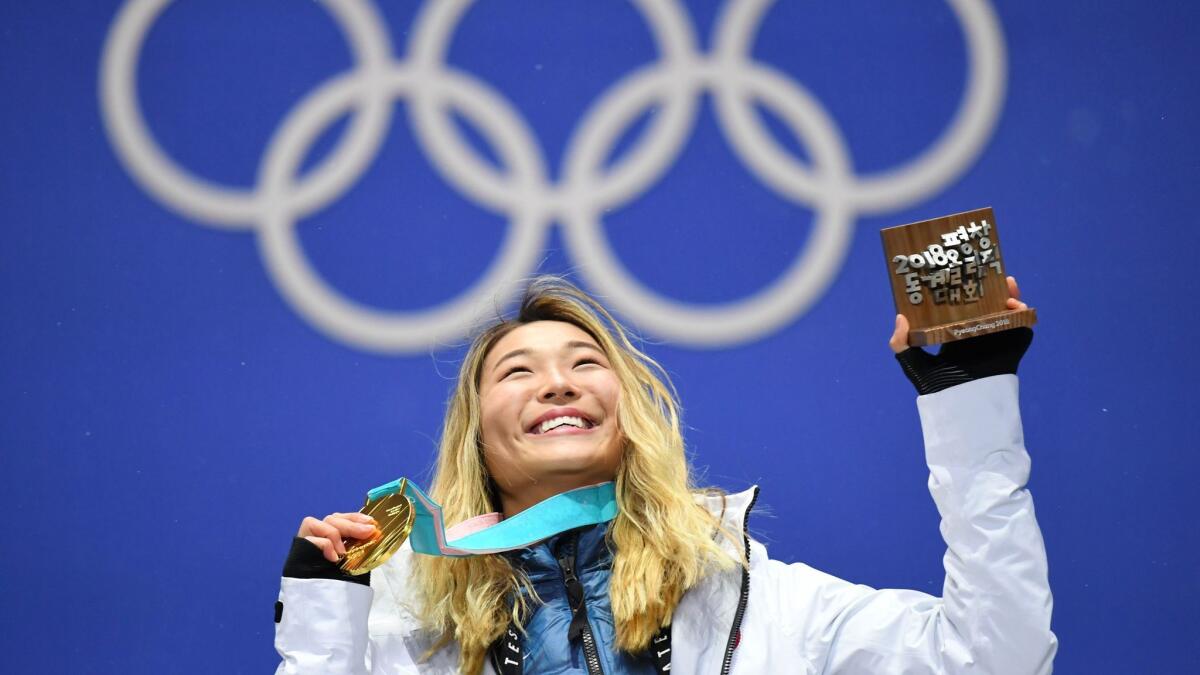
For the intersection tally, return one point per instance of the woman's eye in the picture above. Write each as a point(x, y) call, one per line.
point(515, 369)
point(583, 361)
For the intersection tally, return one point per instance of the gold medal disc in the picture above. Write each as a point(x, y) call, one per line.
point(393, 514)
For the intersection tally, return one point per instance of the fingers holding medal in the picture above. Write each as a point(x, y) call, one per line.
point(332, 533)
point(392, 514)
point(361, 541)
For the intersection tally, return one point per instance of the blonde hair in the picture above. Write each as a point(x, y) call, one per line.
point(664, 542)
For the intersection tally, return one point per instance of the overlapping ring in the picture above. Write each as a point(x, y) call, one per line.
point(521, 189)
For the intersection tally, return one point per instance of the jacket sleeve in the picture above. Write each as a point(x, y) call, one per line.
point(323, 621)
point(994, 613)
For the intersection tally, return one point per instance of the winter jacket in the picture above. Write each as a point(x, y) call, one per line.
point(550, 645)
point(993, 616)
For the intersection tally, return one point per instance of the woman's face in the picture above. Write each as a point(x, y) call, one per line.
point(548, 397)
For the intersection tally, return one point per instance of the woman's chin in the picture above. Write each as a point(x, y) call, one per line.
point(584, 461)
point(573, 461)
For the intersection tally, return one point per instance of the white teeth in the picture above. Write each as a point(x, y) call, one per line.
point(559, 421)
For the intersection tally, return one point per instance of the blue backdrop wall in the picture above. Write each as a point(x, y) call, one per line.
point(243, 241)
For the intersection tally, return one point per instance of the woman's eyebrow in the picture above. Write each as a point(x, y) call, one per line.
point(513, 353)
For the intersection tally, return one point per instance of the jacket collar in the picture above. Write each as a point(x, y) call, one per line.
point(540, 560)
point(593, 551)
point(731, 509)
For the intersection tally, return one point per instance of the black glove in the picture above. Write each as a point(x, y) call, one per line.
point(965, 360)
point(306, 561)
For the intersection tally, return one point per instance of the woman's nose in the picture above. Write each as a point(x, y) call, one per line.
point(558, 386)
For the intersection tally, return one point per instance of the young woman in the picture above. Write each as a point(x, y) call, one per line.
point(558, 399)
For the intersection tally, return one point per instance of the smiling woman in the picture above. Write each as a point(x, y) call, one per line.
point(563, 355)
point(549, 413)
point(557, 399)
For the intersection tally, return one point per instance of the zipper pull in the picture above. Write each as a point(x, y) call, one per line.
point(566, 562)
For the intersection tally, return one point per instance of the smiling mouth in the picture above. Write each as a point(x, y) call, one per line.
point(566, 424)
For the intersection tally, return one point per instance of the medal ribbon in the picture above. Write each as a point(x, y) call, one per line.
point(491, 533)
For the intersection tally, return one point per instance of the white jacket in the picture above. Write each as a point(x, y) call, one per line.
point(993, 616)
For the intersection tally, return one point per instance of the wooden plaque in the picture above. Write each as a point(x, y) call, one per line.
point(948, 278)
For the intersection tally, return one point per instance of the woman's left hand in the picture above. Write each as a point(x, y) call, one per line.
point(1014, 301)
point(963, 360)
point(899, 341)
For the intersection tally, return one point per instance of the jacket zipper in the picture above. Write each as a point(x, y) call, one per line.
point(579, 621)
point(735, 632)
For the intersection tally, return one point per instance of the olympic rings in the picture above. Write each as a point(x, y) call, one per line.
point(521, 190)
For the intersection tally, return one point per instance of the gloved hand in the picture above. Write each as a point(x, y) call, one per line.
point(963, 360)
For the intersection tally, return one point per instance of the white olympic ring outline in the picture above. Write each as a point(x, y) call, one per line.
point(522, 190)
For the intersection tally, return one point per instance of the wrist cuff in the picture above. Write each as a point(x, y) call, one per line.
point(306, 561)
point(927, 373)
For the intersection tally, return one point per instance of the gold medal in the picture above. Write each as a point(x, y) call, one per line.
point(393, 514)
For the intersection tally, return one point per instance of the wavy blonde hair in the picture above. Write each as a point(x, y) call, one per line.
point(663, 541)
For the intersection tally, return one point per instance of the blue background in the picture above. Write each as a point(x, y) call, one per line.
point(168, 419)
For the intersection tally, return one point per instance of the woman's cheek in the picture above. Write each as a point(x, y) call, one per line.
point(492, 414)
point(508, 410)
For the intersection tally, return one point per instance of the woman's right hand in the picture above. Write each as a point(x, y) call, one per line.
point(328, 534)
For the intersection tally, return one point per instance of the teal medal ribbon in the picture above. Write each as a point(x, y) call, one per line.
point(491, 533)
